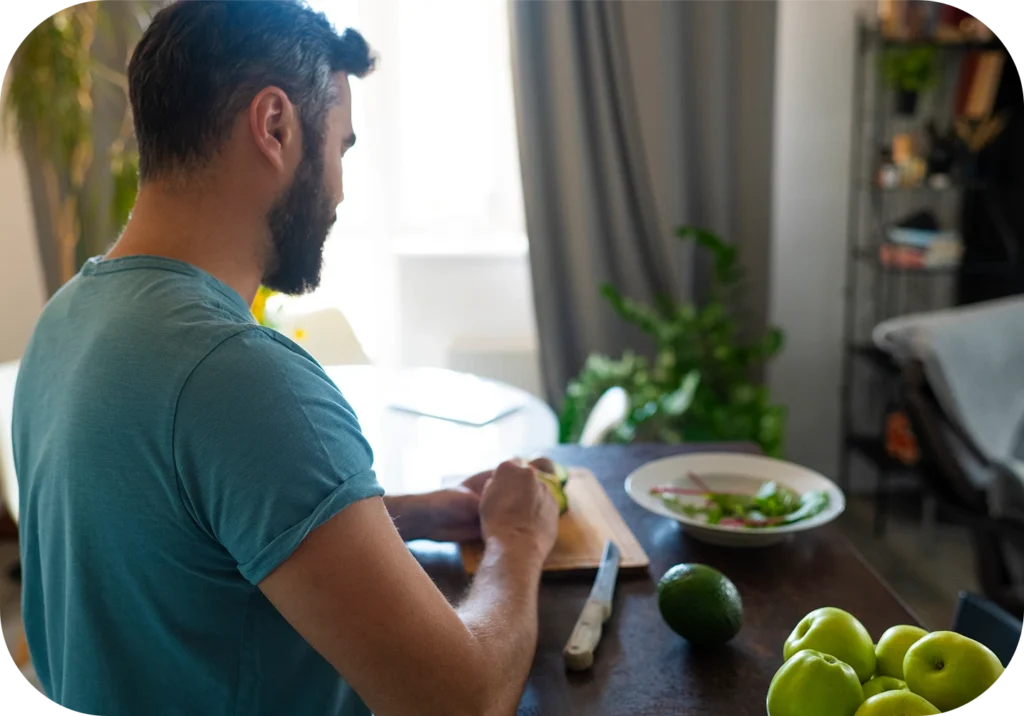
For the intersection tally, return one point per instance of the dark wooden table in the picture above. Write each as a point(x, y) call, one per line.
point(641, 666)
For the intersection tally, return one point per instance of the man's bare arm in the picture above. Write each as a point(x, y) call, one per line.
point(353, 590)
point(448, 515)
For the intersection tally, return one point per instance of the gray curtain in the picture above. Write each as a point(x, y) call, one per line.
point(634, 118)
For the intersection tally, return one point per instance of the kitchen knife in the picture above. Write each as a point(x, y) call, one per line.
point(579, 650)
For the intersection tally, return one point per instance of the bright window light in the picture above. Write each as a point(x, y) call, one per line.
point(436, 167)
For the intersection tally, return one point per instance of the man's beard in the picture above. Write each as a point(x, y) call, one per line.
point(299, 222)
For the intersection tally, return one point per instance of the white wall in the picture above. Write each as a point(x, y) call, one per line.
point(21, 283)
point(813, 124)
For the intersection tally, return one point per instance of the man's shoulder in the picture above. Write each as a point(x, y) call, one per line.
point(165, 318)
point(255, 357)
point(151, 334)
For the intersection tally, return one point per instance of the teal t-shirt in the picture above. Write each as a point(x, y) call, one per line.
point(170, 454)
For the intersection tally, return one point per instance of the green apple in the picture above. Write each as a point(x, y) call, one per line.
point(892, 647)
point(896, 703)
point(811, 683)
point(950, 670)
point(833, 631)
point(881, 684)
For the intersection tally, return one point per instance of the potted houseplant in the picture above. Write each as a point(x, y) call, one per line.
point(910, 71)
point(702, 384)
point(67, 105)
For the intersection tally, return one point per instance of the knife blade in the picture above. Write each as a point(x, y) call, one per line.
point(579, 650)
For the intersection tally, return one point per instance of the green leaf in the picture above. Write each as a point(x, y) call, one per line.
point(912, 69)
point(685, 314)
point(126, 181)
point(773, 500)
point(665, 305)
point(744, 394)
point(771, 344)
point(632, 311)
point(710, 317)
point(724, 256)
point(811, 504)
point(678, 401)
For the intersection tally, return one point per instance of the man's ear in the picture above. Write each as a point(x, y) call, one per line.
point(273, 123)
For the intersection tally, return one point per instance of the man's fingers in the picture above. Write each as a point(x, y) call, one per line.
point(514, 469)
point(544, 465)
point(478, 482)
point(512, 466)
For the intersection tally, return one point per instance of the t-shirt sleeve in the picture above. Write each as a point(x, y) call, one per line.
point(266, 450)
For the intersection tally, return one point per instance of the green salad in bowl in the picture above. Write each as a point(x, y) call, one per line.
point(772, 505)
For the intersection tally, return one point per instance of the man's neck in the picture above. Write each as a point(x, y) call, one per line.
point(209, 230)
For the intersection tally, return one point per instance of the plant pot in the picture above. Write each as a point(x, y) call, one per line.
point(906, 102)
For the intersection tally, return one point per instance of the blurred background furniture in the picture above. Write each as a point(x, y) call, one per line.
point(980, 619)
point(608, 413)
point(324, 333)
point(963, 389)
point(8, 481)
point(940, 171)
point(416, 452)
point(942, 468)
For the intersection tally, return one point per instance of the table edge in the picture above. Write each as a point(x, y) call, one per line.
point(878, 576)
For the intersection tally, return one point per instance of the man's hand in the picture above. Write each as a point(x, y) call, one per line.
point(357, 595)
point(516, 508)
point(448, 515)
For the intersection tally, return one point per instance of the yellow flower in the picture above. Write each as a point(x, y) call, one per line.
point(259, 304)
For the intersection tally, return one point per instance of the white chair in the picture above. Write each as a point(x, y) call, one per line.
point(8, 480)
point(325, 334)
point(609, 412)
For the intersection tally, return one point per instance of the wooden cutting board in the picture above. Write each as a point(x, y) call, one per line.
point(582, 531)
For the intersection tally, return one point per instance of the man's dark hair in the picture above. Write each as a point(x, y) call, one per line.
point(201, 62)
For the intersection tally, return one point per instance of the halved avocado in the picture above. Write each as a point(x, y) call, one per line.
point(562, 473)
point(557, 489)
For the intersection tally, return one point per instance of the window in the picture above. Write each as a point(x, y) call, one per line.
point(436, 168)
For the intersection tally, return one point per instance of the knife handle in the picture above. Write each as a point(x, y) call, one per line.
point(579, 650)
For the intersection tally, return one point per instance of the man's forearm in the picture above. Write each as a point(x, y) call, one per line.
point(501, 613)
point(501, 609)
point(411, 514)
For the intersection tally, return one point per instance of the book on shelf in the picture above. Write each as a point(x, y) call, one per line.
point(892, 15)
point(968, 68)
point(982, 97)
point(929, 21)
point(951, 17)
point(980, 75)
point(941, 253)
point(920, 238)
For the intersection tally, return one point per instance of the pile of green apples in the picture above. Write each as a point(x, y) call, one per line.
point(833, 667)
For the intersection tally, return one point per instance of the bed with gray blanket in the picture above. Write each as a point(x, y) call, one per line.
point(973, 358)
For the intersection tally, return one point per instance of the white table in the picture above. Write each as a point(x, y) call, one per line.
point(415, 453)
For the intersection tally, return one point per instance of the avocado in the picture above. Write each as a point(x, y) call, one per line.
point(556, 484)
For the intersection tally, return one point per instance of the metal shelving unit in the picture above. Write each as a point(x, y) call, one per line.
point(875, 292)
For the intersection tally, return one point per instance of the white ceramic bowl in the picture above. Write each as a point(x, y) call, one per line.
point(727, 472)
